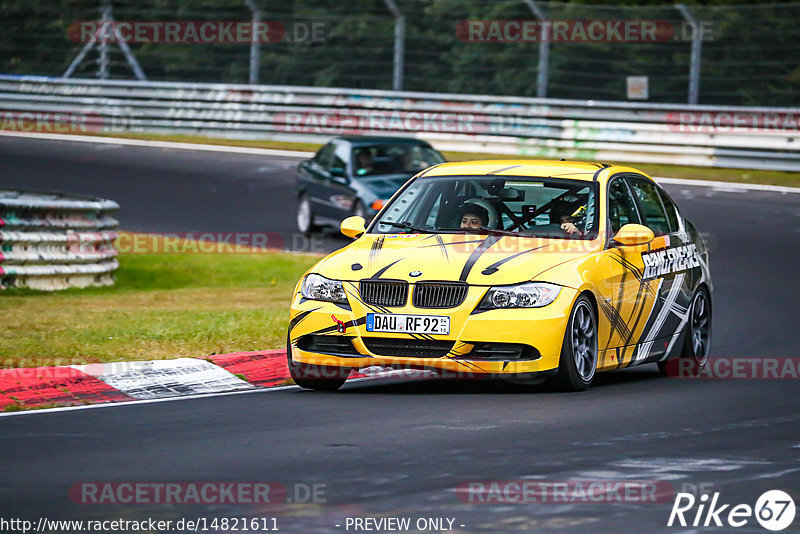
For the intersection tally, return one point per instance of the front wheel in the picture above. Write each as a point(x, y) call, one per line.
point(318, 377)
point(697, 339)
point(578, 362)
point(305, 216)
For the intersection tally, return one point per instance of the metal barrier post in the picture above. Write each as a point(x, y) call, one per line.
point(542, 72)
point(255, 46)
point(399, 44)
point(697, 47)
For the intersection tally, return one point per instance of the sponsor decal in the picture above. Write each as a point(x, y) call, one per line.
point(658, 263)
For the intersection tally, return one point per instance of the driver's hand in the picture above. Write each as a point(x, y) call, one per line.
point(569, 227)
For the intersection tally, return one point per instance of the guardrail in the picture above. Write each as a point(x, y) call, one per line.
point(50, 241)
point(757, 138)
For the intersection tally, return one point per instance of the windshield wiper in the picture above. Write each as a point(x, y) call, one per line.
point(405, 225)
point(482, 229)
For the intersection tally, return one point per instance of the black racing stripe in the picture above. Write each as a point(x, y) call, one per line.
point(381, 271)
point(442, 247)
point(355, 322)
point(493, 268)
point(640, 303)
point(477, 253)
point(453, 243)
point(377, 245)
point(504, 169)
point(299, 317)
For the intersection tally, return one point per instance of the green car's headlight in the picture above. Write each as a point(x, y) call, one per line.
point(316, 287)
point(527, 295)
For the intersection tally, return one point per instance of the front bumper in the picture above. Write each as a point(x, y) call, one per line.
point(540, 332)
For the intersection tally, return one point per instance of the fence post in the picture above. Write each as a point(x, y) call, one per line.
point(542, 72)
point(697, 47)
point(255, 46)
point(399, 44)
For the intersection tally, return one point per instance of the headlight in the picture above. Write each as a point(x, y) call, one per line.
point(528, 295)
point(316, 287)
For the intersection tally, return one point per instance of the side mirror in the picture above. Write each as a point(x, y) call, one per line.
point(353, 226)
point(338, 174)
point(633, 234)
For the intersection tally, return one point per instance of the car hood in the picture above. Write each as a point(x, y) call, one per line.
point(385, 185)
point(473, 258)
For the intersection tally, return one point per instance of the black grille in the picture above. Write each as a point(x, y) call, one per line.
point(384, 292)
point(439, 294)
point(409, 348)
point(338, 345)
point(501, 352)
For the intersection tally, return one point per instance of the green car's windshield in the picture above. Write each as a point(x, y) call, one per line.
point(527, 206)
point(385, 158)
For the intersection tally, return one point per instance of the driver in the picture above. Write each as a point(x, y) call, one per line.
point(473, 216)
point(363, 162)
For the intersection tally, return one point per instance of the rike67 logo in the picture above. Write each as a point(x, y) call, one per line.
point(774, 510)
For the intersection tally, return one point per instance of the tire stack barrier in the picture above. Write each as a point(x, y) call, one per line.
point(51, 241)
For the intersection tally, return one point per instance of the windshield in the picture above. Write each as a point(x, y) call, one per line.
point(386, 158)
point(527, 206)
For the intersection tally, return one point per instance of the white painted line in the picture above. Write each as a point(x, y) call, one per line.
point(728, 186)
point(148, 401)
point(161, 144)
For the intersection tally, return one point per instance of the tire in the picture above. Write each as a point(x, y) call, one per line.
point(317, 377)
point(578, 362)
point(696, 339)
point(305, 216)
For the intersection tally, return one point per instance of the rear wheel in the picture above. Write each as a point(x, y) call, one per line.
point(578, 362)
point(318, 377)
point(696, 339)
point(305, 215)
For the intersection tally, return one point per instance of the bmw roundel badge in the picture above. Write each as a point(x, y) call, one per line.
point(415, 274)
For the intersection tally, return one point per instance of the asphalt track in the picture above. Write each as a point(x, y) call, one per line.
point(400, 448)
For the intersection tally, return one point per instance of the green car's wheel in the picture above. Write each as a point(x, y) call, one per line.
point(305, 216)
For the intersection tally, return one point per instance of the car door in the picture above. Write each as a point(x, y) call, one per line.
point(670, 261)
point(339, 193)
point(626, 298)
point(313, 176)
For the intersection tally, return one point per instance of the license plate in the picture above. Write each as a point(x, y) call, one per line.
point(408, 324)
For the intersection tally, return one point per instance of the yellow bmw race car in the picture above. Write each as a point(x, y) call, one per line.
point(526, 270)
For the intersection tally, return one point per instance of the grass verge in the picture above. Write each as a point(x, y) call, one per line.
point(750, 176)
point(162, 306)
